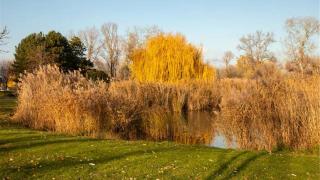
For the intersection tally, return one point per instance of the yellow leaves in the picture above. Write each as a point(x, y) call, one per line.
point(11, 84)
point(245, 66)
point(169, 58)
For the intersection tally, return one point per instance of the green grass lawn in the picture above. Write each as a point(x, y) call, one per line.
point(30, 154)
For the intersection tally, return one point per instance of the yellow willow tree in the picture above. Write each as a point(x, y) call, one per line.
point(169, 58)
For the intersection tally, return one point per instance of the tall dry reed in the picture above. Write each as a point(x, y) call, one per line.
point(69, 103)
point(272, 113)
point(175, 97)
point(267, 113)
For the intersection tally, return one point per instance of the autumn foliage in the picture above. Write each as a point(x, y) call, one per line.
point(169, 58)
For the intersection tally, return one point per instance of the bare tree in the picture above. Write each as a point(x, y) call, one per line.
point(255, 46)
point(135, 39)
point(300, 38)
point(227, 57)
point(91, 39)
point(5, 72)
point(111, 48)
point(150, 31)
point(131, 42)
point(129, 45)
point(3, 36)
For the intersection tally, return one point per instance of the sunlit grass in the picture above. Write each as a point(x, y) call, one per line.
point(25, 154)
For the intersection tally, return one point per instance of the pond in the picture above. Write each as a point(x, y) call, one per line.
point(188, 128)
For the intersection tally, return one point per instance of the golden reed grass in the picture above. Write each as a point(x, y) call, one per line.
point(272, 113)
point(69, 103)
point(275, 112)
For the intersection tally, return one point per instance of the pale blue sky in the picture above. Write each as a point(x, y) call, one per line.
point(215, 24)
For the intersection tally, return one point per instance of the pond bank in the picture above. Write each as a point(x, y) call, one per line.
point(26, 154)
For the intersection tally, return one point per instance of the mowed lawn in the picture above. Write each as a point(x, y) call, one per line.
point(30, 154)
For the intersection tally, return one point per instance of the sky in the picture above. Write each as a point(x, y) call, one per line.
point(216, 25)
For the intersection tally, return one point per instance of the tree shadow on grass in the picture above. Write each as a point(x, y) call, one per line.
point(29, 137)
point(73, 161)
point(20, 139)
point(6, 124)
point(245, 163)
point(224, 167)
point(17, 133)
point(40, 142)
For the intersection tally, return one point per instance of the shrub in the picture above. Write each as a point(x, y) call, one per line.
point(310, 65)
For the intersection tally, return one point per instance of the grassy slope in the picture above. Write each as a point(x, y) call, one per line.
point(27, 153)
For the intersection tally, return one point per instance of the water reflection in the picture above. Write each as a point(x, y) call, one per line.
point(187, 128)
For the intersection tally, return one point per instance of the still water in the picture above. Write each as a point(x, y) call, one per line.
point(189, 128)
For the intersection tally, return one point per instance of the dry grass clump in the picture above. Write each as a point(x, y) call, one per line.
point(69, 103)
point(174, 97)
point(282, 112)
